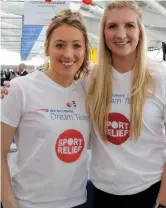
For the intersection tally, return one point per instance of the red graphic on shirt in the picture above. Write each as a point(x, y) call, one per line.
point(48, 1)
point(74, 103)
point(68, 104)
point(118, 128)
point(69, 145)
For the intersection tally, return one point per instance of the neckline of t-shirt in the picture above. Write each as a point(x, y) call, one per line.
point(56, 85)
point(117, 74)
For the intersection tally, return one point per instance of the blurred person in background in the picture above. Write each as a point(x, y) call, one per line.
point(22, 70)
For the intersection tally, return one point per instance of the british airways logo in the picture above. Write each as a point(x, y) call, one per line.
point(63, 114)
point(43, 110)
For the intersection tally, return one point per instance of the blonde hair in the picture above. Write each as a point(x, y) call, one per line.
point(100, 91)
point(74, 19)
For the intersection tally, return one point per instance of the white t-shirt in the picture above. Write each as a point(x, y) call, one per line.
point(52, 136)
point(124, 166)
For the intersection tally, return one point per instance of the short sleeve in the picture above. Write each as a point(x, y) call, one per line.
point(165, 114)
point(165, 100)
point(11, 105)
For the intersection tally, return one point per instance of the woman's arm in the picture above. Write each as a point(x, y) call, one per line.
point(161, 199)
point(11, 113)
point(7, 134)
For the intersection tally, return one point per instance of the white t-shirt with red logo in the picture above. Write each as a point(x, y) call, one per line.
point(124, 166)
point(52, 137)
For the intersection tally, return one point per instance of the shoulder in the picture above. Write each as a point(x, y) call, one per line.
point(158, 74)
point(24, 80)
point(157, 70)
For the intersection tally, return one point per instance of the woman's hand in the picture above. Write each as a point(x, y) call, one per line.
point(4, 90)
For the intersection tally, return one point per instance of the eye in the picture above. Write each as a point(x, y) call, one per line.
point(76, 46)
point(112, 26)
point(130, 26)
point(59, 45)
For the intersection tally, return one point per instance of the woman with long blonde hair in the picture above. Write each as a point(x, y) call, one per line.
point(125, 101)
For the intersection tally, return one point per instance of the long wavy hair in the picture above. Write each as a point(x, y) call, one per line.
point(100, 90)
point(74, 19)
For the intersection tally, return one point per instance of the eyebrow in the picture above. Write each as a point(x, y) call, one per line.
point(65, 41)
point(125, 23)
point(131, 22)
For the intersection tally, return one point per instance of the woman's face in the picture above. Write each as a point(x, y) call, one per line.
point(122, 32)
point(66, 50)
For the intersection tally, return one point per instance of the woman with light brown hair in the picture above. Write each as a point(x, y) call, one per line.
point(126, 101)
point(45, 111)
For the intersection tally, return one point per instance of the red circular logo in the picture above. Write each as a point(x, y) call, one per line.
point(69, 145)
point(118, 128)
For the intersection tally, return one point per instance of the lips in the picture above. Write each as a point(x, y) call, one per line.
point(122, 43)
point(67, 63)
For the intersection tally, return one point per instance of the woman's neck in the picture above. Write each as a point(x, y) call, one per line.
point(123, 64)
point(61, 80)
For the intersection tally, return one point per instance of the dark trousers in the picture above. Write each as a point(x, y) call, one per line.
point(81, 206)
point(144, 199)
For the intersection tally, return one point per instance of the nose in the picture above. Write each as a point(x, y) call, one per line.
point(68, 52)
point(121, 32)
